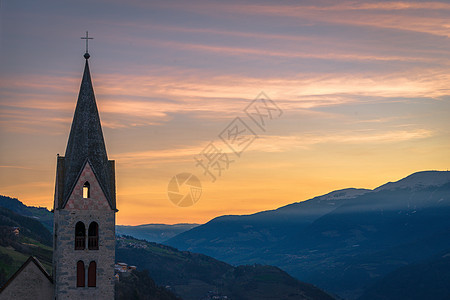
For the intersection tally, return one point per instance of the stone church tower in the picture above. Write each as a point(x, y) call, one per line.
point(84, 207)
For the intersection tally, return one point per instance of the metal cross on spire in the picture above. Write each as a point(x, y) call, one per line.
point(87, 38)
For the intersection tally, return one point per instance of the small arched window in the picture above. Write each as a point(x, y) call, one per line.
point(80, 236)
point(93, 236)
point(86, 190)
point(92, 274)
point(80, 273)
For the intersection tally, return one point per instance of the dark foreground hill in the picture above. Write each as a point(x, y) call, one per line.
point(151, 232)
point(21, 237)
point(138, 285)
point(41, 214)
point(342, 242)
point(427, 279)
point(190, 275)
point(197, 276)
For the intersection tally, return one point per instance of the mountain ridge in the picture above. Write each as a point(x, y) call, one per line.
point(317, 240)
point(418, 179)
point(197, 276)
point(343, 241)
point(41, 214)
point(154, 232)
point(150, 232)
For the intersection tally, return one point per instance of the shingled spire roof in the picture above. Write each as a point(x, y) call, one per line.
point(86, 143)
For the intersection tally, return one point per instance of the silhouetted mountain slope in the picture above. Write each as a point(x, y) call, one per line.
point(154, 232)
point(150, 232)
point(39, 213)
point(197, 276)
point(340, 245)
point(21, 237)
point(28, 227)
point(425, 280)
point(234, 238)
point(418, 180)
point(348, 251)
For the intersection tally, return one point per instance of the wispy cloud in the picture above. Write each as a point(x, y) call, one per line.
point(161, 156)
point(276, 143)
point(379, 15)
point(150, 99)
point(272, 50)
point(16, 167)
point(287, 143)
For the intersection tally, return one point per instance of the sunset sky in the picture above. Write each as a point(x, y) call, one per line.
point(364, 89)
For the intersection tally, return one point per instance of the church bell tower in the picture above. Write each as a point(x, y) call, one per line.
point(84, 206)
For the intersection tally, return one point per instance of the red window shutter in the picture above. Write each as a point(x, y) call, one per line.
point(92, 274)
point(80, 274)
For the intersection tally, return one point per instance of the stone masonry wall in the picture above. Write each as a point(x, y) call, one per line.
point(30, 284)
point(93, 209)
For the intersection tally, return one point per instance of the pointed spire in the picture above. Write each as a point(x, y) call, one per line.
point(86, 143)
